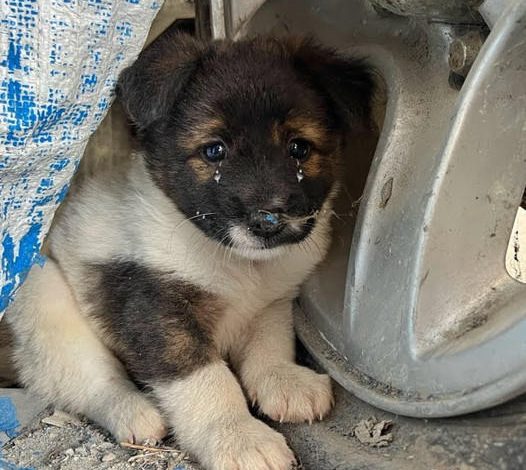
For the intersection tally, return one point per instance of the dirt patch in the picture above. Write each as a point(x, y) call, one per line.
point(59, 441)
point(374, 433)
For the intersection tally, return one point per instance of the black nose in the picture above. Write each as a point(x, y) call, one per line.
point(264, 223)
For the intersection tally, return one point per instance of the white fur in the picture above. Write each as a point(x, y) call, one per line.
point(243, 239)
point(264, 360)
point(63, 358)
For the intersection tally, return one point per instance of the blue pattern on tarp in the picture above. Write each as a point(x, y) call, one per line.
point(4, 465)
point(9, 426)
point(11, 466)
point(18, 263)
point(59, 62)
point(8, 421)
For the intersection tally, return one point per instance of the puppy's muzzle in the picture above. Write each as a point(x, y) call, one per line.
point(265, 224)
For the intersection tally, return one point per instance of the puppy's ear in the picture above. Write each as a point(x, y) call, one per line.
point(347, 83)
point(148, 88)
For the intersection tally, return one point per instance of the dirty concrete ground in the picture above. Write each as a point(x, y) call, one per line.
point(80, 445)
point(492, 439)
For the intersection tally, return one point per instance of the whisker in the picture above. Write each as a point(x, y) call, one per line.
point(192, 218)
point(183, 222)
point(288, 218)
point(220, 245)
point(230, 251)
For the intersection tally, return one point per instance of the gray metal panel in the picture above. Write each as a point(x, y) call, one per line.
point(456, 11)
point(453, 336)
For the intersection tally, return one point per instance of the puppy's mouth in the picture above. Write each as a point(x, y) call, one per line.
point(270, 230)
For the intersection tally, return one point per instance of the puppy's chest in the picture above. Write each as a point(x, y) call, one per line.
point(253, 286)
point(217, 303)
point(246, 296)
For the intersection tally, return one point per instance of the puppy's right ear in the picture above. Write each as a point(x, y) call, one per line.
point(148, 88)
point(347, 83)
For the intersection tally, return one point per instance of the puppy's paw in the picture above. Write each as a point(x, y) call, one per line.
point(136, 420)
point(292, 393)
point(249, 445)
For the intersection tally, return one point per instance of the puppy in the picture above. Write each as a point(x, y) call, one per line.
point(190, 257)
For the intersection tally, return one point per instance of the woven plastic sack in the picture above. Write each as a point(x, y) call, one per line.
point(59, 62)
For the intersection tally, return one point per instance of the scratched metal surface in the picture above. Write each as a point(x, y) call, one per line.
point(59, 61)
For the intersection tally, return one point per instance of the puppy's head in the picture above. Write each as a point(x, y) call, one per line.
point(245, 137)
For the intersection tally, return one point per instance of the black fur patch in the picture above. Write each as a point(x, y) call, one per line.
point(183, 94)
point(160, 328)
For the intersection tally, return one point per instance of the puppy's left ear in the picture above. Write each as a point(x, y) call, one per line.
point(347, 83)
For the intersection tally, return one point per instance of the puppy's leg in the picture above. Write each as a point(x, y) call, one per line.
point(163, 331)
point(61, 360)
point(283, 390)
point(211, 419)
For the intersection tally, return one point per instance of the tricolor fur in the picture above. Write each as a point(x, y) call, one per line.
point(190, 257)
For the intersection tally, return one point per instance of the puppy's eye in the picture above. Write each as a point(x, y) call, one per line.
point(214, 152)
point(299, 149)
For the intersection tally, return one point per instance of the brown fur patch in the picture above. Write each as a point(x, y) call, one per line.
point(203, 172)
point(201, 133)
point(277, 134)
point(158, 326)
point(325, 144)
point(306, 128)
point(322, 139)
point(314, 166)
point(181, 344)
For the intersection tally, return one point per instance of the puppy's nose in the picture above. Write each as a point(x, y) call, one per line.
point(264, 223)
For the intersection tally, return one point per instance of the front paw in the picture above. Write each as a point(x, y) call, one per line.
point(247, 445)
point(135, 420)
point(291, 393)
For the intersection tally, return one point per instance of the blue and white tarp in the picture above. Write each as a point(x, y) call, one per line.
point(59, 62)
